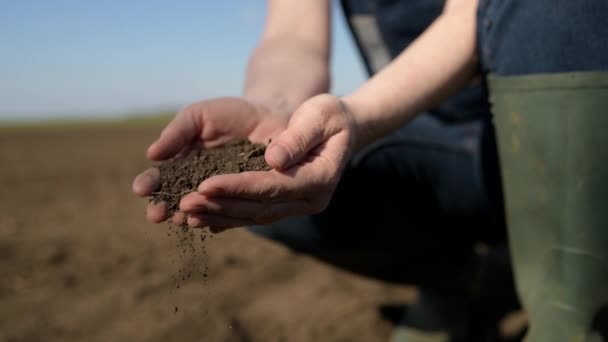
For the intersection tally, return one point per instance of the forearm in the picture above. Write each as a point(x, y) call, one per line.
point(436, 65)
point(291, 62)
point(283, 73)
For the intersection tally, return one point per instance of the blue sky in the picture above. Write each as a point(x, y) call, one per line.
point(65, 58)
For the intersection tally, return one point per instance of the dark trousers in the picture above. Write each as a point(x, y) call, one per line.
point(410, 207)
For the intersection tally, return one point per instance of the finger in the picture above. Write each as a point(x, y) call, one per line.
point(185, 151)
point(314, 179)
point(146, 182)
point(312, 123)
point(292, 144)
point(176, 136)
point(256, 211)
point(192, 203)
point(263, 186)
point(178, 218)
point(156, 212)
point(215, 221)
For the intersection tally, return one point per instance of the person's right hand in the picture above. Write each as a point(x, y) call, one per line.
point(205, 124)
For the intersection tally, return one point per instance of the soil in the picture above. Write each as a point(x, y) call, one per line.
point(78, 261)
point(182, 176)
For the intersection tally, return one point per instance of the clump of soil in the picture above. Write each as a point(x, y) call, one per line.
point(182, 176)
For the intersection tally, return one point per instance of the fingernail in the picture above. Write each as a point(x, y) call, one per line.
point(278, 154)
point(151, 149)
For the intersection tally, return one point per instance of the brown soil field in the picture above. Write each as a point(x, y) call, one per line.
point(78, 262)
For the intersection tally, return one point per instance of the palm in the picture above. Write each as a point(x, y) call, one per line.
point(206, 124)
point(225, 119)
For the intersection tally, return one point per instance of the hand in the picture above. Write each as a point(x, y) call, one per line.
point(308, 159)
point(205, 124)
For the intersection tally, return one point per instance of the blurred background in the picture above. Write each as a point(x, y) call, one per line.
point(85, 86)
point(69, 58)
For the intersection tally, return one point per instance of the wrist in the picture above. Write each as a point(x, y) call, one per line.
point(274, 105)
point(282, 74)
point(363, 131)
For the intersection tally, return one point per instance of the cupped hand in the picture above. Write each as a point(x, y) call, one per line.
point(205, 124)
point(307, 158)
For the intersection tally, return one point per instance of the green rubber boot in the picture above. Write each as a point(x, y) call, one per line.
point(553, 142)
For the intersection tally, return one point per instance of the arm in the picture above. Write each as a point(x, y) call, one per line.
point(289, 66)
point(439, 63)
point(310, 155)
point(436, 65)
point(291, 62)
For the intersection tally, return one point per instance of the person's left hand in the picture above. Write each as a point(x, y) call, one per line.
point(308, 159)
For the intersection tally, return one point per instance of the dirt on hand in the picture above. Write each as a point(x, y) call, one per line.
point(182, 176)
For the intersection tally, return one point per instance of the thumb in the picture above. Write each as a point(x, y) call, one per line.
point(302, 135)
point(177, 135)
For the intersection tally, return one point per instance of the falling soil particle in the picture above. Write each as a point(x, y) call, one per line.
point(182, 176)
